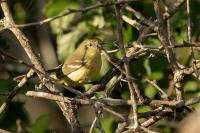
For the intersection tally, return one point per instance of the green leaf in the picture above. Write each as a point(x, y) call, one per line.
point(190, 86)
point(54, 7)
point(150, 91)
point(153, 41)
point(41, 124)
point(98, 21)
point(67, 42)
point(147, 66)
point(108, 124)
point(144, 109)
point(156, 75)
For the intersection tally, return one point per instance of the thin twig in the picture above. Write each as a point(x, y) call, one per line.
point(24, 42)
point(138, 15)
point(38, 71)
point(189, 37)
point(16, 90)
point(97, 122)
point(4, 131)
point(148, 130)
point(113, 112)
point(67, 12)
point(79, 101)
point(163, 94)
point(163, 35)
point(127, 74)
point(132, 22)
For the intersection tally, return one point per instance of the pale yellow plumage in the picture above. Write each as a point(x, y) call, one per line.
point(84, 63)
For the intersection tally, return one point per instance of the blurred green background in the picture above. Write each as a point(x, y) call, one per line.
point(56, 40)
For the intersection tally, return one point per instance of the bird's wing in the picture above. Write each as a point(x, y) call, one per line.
point(72, 66)
point(75, 61)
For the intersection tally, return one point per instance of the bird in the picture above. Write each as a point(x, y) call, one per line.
point(83, 64)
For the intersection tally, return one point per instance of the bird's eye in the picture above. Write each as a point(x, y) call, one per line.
point(90, 45)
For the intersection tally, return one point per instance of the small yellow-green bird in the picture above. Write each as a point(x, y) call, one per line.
point(83, 64)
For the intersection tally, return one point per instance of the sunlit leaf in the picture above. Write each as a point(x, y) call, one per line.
point(156, 75)
point(150, 91)
point(143, 109)
point(67, 42)
point(54, 7)
point(191, 86)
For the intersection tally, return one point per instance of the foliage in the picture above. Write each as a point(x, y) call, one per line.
point(68, 31)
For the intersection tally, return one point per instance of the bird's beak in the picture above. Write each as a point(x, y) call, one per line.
point(102, 43)
point(105, 42)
